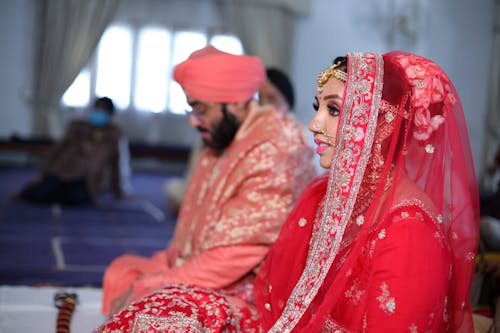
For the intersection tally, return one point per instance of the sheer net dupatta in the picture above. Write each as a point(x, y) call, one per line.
point(435, 156)
point(402, 139)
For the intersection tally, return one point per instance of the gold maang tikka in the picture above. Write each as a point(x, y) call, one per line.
point(333, 70)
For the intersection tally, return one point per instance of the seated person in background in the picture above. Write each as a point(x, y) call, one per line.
point(490, 202)
point(485, 293)
point(277, 90)
point(490, 208)
point(76, 167)
point(249, 173)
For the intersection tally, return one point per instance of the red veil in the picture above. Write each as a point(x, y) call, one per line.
point(402, 141)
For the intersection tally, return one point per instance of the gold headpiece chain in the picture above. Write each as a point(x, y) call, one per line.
point(333, 70)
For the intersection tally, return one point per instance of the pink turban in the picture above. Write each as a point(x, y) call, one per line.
point(215, 76)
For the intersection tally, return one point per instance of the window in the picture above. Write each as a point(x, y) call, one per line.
point(114, 60)
point(78, 94)
point(153, 59)
point(133, 66)
point(184, 44)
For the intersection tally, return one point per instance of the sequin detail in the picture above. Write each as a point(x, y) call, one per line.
point(360, 220)
point(381, 234)
point(429, 148)
point(387, 303)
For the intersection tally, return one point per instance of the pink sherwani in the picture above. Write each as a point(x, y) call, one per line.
point(234, 207)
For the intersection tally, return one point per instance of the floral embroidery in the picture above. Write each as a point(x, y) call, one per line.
point(331, 327)
point(413, 328)
point(425, 124)
point(302, 222)
point(381, 234)
point(389, 117)
point(354, 294)
point(387, 303)
point(369, 248)
point(183, 308)
point(431, 85)
point(359, 134)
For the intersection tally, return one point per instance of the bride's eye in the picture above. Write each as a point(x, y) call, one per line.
point(333, 110)
point(315, 106)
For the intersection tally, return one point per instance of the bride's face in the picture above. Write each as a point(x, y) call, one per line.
point(325, 122)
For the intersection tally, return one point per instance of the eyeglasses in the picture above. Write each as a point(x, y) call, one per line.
point(199, 109)
point(198, 114)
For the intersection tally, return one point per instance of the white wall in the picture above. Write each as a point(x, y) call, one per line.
point(16, 65)
point(457, 34)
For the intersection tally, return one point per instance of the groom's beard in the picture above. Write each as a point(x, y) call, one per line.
point(224, 132)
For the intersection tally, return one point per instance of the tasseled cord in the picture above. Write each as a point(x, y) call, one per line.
point(66, 303)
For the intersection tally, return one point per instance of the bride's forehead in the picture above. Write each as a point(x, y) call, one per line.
point(332, 87)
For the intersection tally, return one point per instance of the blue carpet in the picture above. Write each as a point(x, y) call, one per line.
point(71, 246)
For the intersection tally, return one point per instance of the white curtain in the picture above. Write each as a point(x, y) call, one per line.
point(70, 31)
point(492, 136)
point(266, 27)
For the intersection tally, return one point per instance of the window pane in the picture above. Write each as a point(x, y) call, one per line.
point(227, 43)
point(114, 60)
point(178, 103)
point(152, 70)
point(78, 94)
point(184, 44)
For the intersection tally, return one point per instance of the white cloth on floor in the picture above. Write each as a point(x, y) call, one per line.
point(31, 309)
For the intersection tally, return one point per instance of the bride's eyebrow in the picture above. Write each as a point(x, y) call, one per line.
point(333, 96)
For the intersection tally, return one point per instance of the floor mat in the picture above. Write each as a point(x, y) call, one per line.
point(71, 246)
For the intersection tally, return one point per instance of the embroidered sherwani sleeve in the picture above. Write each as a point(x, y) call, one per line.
point(215, 268)
point(259, 196)
point(409, 281)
